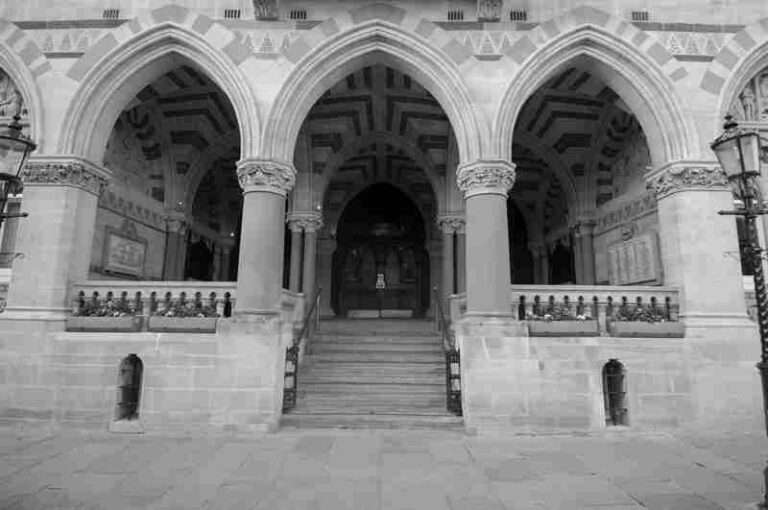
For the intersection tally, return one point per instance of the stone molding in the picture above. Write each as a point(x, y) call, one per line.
point(74, 172)
point(450, 223)
point(266, 176)
point(486, 176)
point(686, 176)
point(176, 222)
point(306, 221)
point(584, 227)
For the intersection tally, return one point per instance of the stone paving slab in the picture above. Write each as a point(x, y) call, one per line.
point(382, 469)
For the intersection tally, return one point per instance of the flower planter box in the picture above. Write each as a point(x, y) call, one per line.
point(671, 329)
point(563, 328)
point(182, 324)
point(104, 324)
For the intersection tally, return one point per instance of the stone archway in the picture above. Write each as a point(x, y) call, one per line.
point(111, 74)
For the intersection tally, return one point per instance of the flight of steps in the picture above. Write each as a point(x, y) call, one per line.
point(373, 373)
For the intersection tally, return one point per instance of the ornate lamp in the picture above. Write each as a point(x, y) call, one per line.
point(738, 151)
point(14, 150)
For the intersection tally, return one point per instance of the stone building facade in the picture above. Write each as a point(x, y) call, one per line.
point(487, 148)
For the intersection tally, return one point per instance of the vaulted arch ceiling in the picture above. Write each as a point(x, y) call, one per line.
point(177, 141)
point(377, 125)
point(588, 127)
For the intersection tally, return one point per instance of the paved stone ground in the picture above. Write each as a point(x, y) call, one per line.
point(363, 470)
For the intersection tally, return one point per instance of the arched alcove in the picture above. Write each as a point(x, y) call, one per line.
point(129, 382)
point(615, 393)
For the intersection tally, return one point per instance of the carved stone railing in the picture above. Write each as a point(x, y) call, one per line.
point(598, 300)
point(147, 296)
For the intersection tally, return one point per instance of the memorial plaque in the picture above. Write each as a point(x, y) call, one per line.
point(634, 261)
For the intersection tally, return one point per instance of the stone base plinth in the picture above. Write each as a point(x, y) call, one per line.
point(230, 381)
point(512, 383)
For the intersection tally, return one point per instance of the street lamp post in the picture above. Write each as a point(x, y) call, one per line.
point(738, 151)
point(14, 149)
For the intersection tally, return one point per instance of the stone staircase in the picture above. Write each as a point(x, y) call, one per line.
point(373, 373)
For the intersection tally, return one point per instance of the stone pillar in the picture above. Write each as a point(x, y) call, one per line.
point(294, 277)
point(545, 265)
point(461, 259)
point(175, 246)
point(697, 244)
point(485, 185)
point(10, 229)
point(536, 251)
point(225, 263)
point(325, 249)
point(311, 225)
point(584, 252)
point(578, 258)
point(447, 280)
point(61, 196)
point(259, 278)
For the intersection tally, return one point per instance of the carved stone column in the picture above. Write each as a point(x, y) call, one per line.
point(10, 229)
point(259, 279)
point(699, 248)
point(294, 275)
point(537, 249)
point(447, 283)
point(54, 242)
point(311, 223)
point(461, 257)
point(176, 226)
point(325, 249)
point(485, 185)
point(584, 251)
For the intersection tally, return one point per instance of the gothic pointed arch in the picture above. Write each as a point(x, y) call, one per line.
point(638, 69)
point(113, 71)
point(385, 41)
point(24, 63)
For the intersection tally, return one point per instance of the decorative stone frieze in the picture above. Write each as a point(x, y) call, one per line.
point(452, 222)
point(266, 176)
point(686, 176)
point(112, 201)
point(483, 177)
point(73, 172)
point(614, 215)
point(306, 221)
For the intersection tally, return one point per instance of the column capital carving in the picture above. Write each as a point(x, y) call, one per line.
point(686, 176)
point(583, 226)
point(65, 171)
point(451, 222)
point(306, 221)
point(266, 176)
point(486, 177)
point(176, 221)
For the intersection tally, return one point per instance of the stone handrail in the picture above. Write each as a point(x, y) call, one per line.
point(221, 295)
point(603, 297)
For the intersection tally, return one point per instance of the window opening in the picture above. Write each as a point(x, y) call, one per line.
point(615, 393)
point(129, 388)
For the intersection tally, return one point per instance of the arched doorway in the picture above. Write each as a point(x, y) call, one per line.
point(381, 264)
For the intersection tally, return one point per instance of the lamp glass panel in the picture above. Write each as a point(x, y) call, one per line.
point(727, 152)
point(750, 149)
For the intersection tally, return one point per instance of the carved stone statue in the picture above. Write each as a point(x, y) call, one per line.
point(265, 9)
point(11, 102)
point(488, 10)
point(748, 103)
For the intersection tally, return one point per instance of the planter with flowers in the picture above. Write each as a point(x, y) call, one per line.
point(644, 321)
point(117, 315)
point(561, 320)
point(184, 317)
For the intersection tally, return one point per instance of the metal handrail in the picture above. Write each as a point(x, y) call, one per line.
point(291, 380)
point(452, 362)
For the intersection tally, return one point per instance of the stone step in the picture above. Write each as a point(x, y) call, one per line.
point(304, 420)
point(315, 396)
point(328, 347)
point(375, 339)
point(381, 378)
point(365, 327)
point(376, 357)
point(437, 408)
point(395, 390)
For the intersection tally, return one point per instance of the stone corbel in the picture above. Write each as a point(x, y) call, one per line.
point(486, 177)
point(686, 176)
point(176, 222)
point(266, 176)
point(450, 223)
point(306, 221)
point(68, 171)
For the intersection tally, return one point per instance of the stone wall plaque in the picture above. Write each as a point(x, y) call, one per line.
point(634, 261)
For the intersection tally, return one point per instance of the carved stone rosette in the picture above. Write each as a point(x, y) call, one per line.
point(486, 177)
point(306, 221)
point(65, 172)
point(450, 223)
point(675, 178)
point(266, 176)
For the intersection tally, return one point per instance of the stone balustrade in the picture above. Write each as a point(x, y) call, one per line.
point(149, 296)
point(596, 301)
